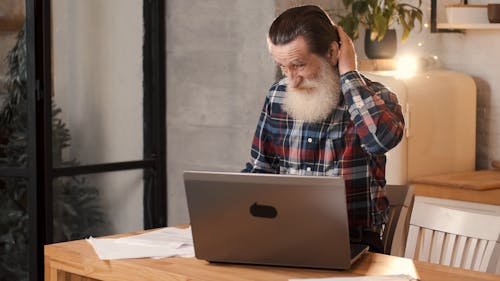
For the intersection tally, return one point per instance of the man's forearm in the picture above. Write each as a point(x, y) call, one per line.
point(379, 125)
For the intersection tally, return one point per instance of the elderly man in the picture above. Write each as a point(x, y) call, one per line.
point(327, 119)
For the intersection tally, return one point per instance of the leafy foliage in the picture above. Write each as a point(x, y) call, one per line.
point(77, 213)
point(378, 16)
point(13, 194)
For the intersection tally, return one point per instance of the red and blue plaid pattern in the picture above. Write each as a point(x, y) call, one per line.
point(350, 143)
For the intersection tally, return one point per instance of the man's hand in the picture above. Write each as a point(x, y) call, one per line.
point(347, 54)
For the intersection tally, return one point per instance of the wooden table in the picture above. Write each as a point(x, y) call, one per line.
point(77, 261)
point(475, 186)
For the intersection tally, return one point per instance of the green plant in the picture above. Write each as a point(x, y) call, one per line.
point(378, 16)
point(76, 209)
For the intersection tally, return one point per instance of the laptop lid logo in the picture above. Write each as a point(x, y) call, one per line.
point(263, 211)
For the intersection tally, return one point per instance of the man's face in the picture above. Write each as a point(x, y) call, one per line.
point(296, 61)
point(313, 88)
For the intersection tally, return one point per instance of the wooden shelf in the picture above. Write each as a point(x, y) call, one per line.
point(469, 26)
point(376, 64)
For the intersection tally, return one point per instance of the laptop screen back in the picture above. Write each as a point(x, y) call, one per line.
point(269, 219)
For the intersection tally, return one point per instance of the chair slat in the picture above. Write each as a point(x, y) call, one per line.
point(437, 246)
point(488, 255)
point(458, 251)
point(478, 256)
point(411, 243)
point(449, 244)
point(425, 245)
point(470, 248)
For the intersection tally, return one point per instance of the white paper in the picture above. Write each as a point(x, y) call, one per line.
point(165, 242)
point(362, 278)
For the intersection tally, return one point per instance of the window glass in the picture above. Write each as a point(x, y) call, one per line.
point(14, 217)
point(13, 105)
point(97, 81)
point(14, 225)
point(97, 204)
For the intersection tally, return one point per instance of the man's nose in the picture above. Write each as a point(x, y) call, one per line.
point(294, 79)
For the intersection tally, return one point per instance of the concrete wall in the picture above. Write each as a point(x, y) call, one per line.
point(218, 73)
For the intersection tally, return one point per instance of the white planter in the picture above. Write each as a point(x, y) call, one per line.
point(467, 14)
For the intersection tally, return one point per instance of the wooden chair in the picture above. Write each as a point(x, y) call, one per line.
point(454, 233)
point(396, 229)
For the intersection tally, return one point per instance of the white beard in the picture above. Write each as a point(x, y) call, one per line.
point(314, 99)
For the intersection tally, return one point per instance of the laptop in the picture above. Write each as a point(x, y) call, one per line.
point(269, 219)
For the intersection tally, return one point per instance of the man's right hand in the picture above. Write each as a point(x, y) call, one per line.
point(347, 54)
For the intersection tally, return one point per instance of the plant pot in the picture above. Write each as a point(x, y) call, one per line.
point(384, 49)
point(494, 13)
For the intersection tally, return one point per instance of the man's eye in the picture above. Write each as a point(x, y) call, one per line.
point(293, 67)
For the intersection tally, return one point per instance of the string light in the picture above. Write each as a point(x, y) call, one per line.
point(406, 67)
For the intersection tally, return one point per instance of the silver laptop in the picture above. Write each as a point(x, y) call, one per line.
point(266, 219)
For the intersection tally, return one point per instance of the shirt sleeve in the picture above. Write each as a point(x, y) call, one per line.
point(262, 157)
point(375, 111)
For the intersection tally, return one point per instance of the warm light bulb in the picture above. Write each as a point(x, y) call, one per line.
point(406, 66)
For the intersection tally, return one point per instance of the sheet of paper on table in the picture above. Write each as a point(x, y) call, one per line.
point(165, 242)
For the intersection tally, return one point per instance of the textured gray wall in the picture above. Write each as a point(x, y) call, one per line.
point(218, 73)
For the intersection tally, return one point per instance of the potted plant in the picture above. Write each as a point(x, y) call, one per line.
point(77, 212)
point(378, 16)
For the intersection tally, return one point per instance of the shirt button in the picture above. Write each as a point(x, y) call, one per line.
point(308, 169)
point(309, 140)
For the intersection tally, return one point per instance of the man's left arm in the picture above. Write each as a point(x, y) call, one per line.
point(375, 111)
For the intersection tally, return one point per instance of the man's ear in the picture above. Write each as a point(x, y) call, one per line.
point(269, 45)
point(333, 53)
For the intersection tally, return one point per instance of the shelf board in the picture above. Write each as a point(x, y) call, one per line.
point(376, 64)
point(469, 26)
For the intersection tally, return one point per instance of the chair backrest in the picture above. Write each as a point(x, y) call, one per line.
point(454, 233)
point(396, 229)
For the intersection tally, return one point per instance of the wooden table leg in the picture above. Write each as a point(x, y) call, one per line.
point(50, 273)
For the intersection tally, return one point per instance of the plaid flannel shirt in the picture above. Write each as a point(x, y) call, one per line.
point(350, 143)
